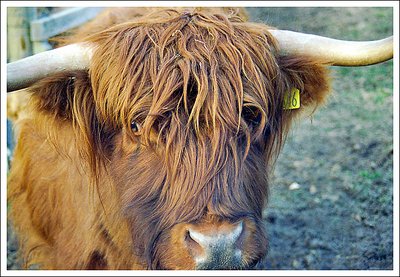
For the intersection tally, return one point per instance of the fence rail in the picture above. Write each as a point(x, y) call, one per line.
point(28, 30)
point(44, 28)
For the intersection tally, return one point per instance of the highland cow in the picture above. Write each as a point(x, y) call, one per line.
point(153, 149)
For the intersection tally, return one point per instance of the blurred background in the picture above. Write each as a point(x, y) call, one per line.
point(330, 204)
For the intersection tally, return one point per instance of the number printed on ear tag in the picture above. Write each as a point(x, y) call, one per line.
point(292, 100)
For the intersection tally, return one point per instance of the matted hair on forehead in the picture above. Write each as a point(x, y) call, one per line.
point(203, 71)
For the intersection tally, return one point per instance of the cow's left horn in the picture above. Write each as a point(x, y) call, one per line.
point(333, 51)
point(25, 72)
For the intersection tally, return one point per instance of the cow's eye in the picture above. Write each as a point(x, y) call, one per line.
point(252, 116)
point(135, 127)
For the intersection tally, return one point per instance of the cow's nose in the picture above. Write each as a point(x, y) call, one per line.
point(216, 249)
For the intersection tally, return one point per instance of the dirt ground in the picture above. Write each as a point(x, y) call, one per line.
point(330, 205)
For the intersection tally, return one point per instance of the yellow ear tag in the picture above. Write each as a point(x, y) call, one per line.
point(292, 100)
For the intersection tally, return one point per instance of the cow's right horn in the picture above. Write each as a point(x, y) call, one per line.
point(25, 72)
point(334, 51)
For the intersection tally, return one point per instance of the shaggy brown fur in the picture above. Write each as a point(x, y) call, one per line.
point(206, 88)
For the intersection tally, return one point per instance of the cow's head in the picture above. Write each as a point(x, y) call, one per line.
point(187, 113)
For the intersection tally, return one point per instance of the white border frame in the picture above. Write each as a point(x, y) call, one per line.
point(393, 4)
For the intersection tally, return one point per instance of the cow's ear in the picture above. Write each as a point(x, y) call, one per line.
point(58, 94)
point(309, 76)
point(67, 97)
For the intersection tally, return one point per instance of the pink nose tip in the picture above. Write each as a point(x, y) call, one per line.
point(216, 248)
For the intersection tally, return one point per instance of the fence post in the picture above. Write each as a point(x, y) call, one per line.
point(19, 44)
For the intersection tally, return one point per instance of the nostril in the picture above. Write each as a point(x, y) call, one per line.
point(195, 248)
point(237, 231)
point(188, 238)
point(197, 237)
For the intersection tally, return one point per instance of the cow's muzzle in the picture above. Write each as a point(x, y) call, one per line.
point(219, 249)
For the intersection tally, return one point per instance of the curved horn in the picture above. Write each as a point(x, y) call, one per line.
point(25, 72)
point(336, 52)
